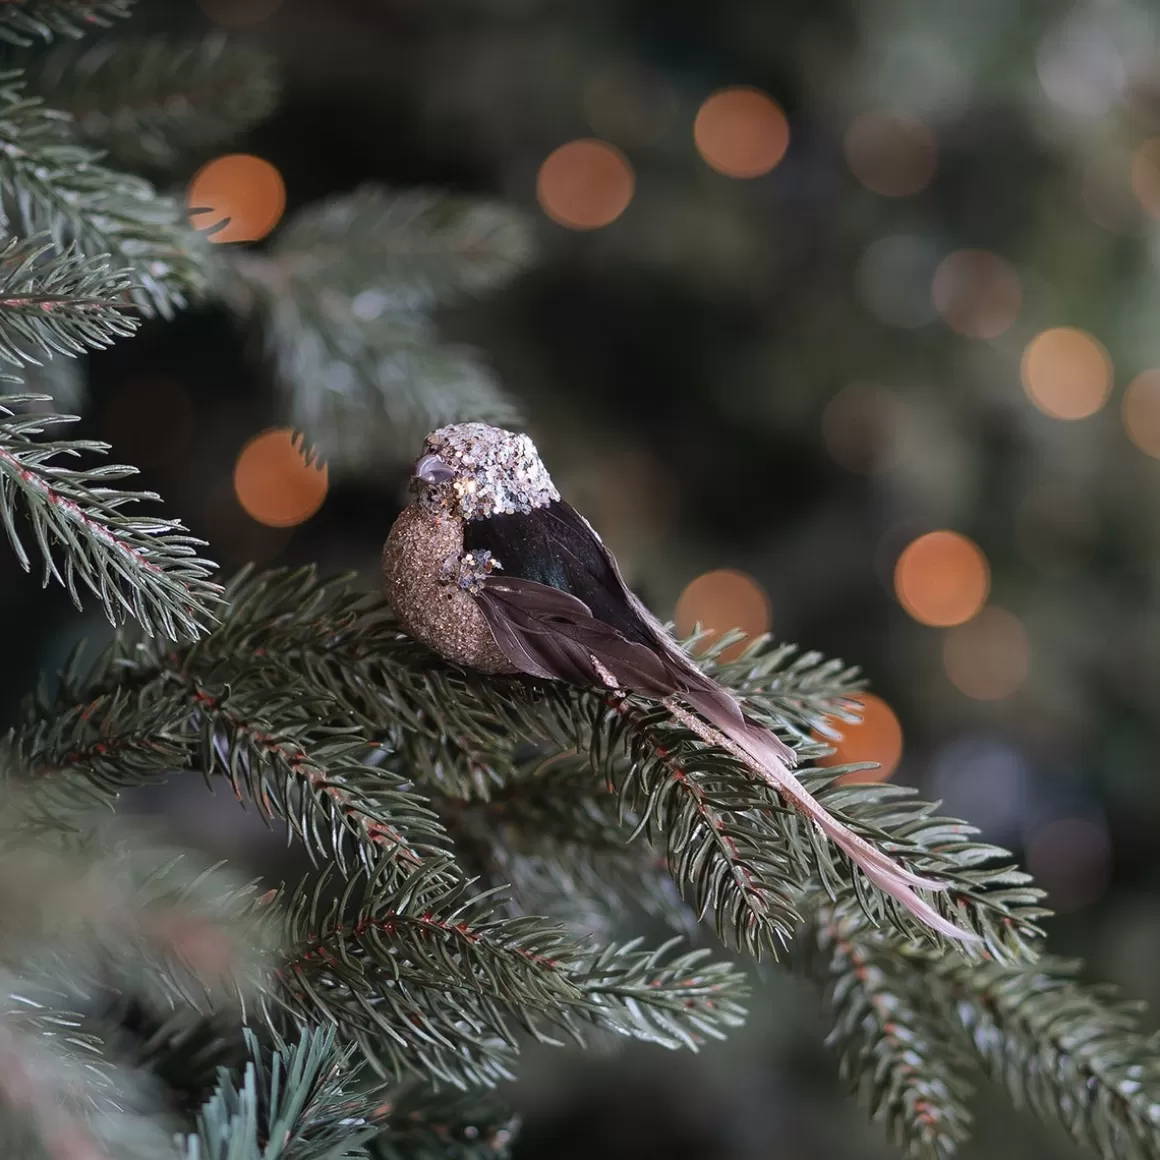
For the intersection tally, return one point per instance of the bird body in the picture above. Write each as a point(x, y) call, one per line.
point(490, 568)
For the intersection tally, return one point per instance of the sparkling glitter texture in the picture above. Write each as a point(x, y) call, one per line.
point(497, 472)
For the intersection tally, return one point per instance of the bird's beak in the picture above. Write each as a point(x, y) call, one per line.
point(432, 470)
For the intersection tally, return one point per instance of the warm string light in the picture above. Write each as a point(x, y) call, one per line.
point(891, 154)
point(987, 657)
point(722, 600)
point(877, 737)
point(585, 184)
point(1067, 373)
point(741, 132)
point(1145, 175)
point(1140, 411)
point(274, 483)
point(977, 293)
point(942, 579)
point(246, 189)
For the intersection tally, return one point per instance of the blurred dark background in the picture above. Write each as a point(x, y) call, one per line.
point(934, 309)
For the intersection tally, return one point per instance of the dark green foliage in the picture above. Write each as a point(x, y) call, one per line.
point(449, 810)
point(343, 297)
point(385, 956)
point(156, 103)
point(894, 1050)
point(146, 568)
point(64, 304)
point(23, 21)
point(54, 186)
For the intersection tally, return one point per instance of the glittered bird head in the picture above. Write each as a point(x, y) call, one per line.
point(474, 471)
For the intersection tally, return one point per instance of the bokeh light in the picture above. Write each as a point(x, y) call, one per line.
point(239, 13)
point(987, 658)
point(149, 421)
point(977, 293)
point(722, 600)
point(890, 153)
point(942, 579)
point(1145, 175)
point(1071, 858)
point(1140, 411)
point(630, 105)
point(1067, 373)
point(246, 189)
point(274, 483)
point(741, 132)
point(860, 427)
point(877, 737)
point(585, 184)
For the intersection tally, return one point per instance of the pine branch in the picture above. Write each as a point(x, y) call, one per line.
point(146, 568)
point(732, 846)
point(269, 745)
point(157, 102)
point(1073, 1054)
point(895, 1053)
point(342, 298)
point(403, 250)
point(296, 1102)
point(385, 960)
point(23, 21)
point(54, 186)
point(64, 304)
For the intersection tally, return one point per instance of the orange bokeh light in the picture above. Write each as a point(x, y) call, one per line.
point(942, 578)
point(741, 132)
point(722, 600)
point(877, 737)
point(890, 153)
point(274, 483)
point(244, 188)
point(987, 658)
point(1145, 175)
point(585, 184)
point(861, 425)
point(977, 293)
point(1140, 411)
point(239, 13)
point(1067, 373)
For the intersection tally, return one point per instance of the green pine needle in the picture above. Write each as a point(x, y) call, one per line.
point(140, 567)
point(23, 21)
point(59, 189)
point(158, 102)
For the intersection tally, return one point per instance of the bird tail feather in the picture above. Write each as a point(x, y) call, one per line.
point(771, 759)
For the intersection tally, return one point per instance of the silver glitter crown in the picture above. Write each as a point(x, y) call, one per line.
point(497, 472)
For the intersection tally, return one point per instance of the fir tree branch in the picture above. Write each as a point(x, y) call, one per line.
point(342, 298)
point(157, 102)
point(63, 305)
point(269, 745)
point(56, 187)
point(296, 1102)
point(1073, 1054)
point(146, 568)
point(383, 961)
point(732, 846)
point(894, 1052)
point(23, 21)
